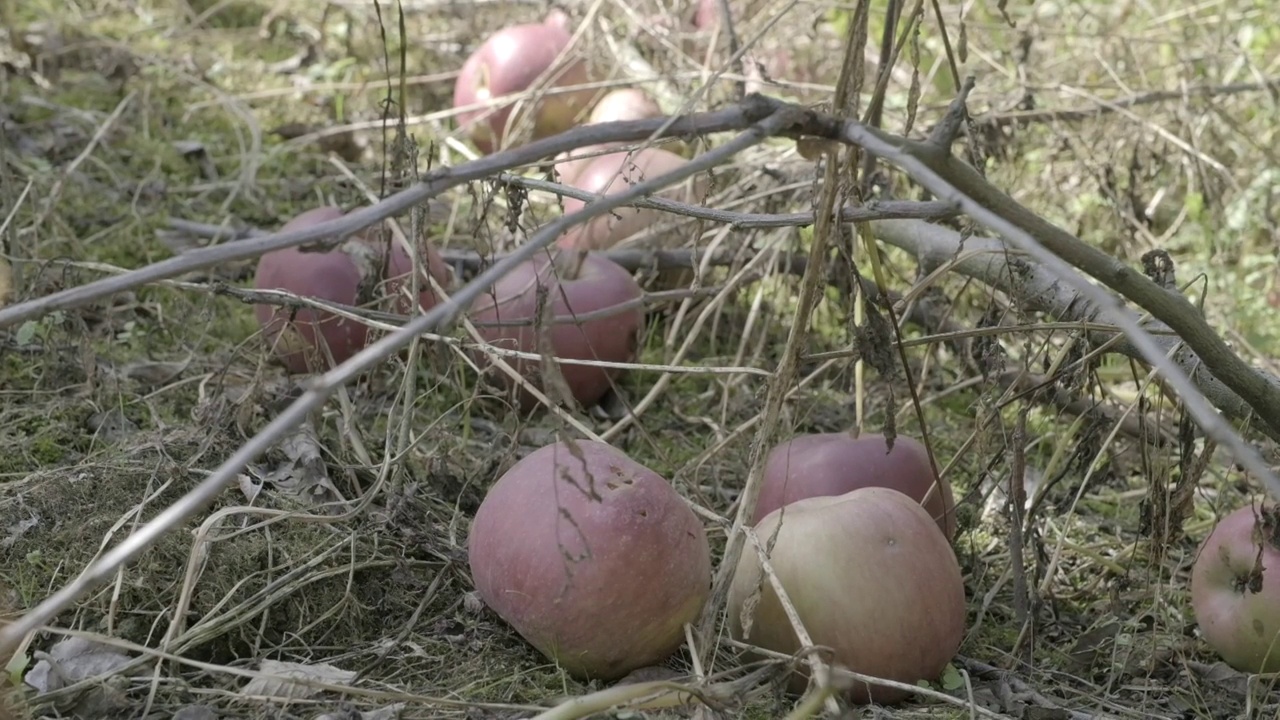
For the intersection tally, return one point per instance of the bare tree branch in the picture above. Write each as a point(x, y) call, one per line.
point(989, 261)
point(874, 210)
point(1062, 253)
point(1106, 107)
point(742, 115)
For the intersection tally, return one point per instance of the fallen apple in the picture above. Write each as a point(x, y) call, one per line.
point(1235, 589)
point(614, 173)
point(574, 284)
point(615, 106)
point(350, 274)
point(510, 62)
point(869, 576)
point(593, 558)
point(836, 463)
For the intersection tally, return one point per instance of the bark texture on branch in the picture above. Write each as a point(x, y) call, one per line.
point(989, 260)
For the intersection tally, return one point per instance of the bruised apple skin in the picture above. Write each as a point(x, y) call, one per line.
point(617, 172)
point(821, 464)
point(510, 62)
point(576, 284)
point(870, 576)
point(593, 558)
point(1235, 589)
point(304, 338)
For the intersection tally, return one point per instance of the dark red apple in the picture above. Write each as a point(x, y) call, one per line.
point(351, 273)
point(575, 284)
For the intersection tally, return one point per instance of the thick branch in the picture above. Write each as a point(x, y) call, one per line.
point(988, 260)
point(1171, 308)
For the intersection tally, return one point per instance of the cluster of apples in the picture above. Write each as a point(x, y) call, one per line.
point(599, 563)
point(575, 279)
point(595, 559)
point(863, 534)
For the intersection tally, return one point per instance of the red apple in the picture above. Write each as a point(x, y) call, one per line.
point(616, 106)
point(615, 173)
point(596, 284)
point(1235, 589)
point(592, 557)
point(350, 274)
point(824, 464)
point(511, 61)
point(870, 577)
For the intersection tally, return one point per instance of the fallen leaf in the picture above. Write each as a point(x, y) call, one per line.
point(278, 679)
point(71, 660)
point(303, 473)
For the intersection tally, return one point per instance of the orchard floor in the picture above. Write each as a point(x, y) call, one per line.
point(118, 116)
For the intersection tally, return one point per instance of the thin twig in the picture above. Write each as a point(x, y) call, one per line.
point(1026, 117)
point(737, 117)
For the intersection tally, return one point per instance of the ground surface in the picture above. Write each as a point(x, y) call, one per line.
point(118, 116)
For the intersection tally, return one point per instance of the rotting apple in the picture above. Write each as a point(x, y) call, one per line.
point(574, 283)
point(593, 558)
point(869, 576)
point(1235, 589)
point(820, 464)
point(510, 62)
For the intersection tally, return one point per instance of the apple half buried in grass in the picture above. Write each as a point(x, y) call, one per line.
point(575, 284)
point(870, 577)
point(357, 272)
point(822, 464)
point(512, 61)
point(593, 558)
point(1235, 589)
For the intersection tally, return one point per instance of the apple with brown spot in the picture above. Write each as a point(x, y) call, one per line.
point(594, 559)
point(1235, 589)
